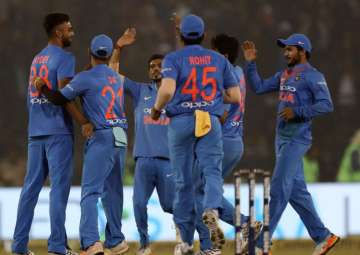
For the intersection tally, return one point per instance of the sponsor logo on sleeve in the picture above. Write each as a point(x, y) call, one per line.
point(322, 83)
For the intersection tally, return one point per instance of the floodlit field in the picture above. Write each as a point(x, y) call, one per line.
point(349, 246)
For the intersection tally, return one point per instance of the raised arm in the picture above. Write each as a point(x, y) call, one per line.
point(127, 38)
point(257, 84)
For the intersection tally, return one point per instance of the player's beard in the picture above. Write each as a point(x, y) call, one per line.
point(156, 78)
point(294, 61)
point(66, 42)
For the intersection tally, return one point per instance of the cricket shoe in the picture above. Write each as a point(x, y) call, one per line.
point(145, 250)
point(209, 252)
point(120, 248)
point(26, 253)
point(325, 246)
point(67, 252)
point(259, 251)
point(184, 249)
point(245, 235)
point(211, 220)
point(95, 249)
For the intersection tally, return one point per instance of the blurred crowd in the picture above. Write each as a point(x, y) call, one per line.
point(331, 25)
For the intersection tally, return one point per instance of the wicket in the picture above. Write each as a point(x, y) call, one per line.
point(250, 175)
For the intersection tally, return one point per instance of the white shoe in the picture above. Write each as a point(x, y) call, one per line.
point(211, 220)
point(27, 253)
point(183, 249)
point(245, 235)
point(71, 252)
point(120, 248)
point(209, 252)
point(326, 245)
point(259, 251)
point(144, 251)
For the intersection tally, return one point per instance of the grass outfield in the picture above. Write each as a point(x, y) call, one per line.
point(349, 246)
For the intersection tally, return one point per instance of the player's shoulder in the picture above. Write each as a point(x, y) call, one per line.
point(66, 55)
point(313, 73)
point(173, 55)
point(314, 76)
point(83, 75)
point(214, 53)
point(238, 71)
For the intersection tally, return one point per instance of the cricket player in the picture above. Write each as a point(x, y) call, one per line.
point(233, 146)
point(151, 153)
point(303, 95)
point(50, 138)
point(102, 93)
point(195, 81)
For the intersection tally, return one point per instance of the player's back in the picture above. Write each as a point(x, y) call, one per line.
point(233, 126)
point(102, 93)
point(200, 76)
point(52, 64)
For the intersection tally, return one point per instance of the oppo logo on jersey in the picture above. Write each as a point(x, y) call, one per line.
point(148, 111)
point(287, 88)
point(192, 105)
point(116, 121)
point(236, 123)
point(41, 100)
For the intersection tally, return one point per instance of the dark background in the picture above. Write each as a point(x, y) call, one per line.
point(331, 25)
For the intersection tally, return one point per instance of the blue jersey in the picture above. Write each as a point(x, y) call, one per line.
point(102, 94)
point(150, 135)
point(302, 88)
point(233, 126)
point(201, 75)
point(53, 64)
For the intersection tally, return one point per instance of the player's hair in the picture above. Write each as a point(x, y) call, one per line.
point(54, 19)
point(188, 41)
point(307, 54)
point(155, 56)
point(226, 44)
point(105, 59)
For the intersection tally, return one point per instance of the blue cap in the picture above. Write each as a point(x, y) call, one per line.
point(192, 27)
point(101, 46)
point(300, 40)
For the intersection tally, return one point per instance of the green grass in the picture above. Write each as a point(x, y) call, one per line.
point(349, 246)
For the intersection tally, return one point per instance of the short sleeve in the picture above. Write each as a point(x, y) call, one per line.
point(169, 67)
point(133, 88)
point(229, 77)
point(66, 68)
point(75, 88)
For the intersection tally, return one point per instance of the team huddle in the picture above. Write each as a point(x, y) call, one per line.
point(188, 137)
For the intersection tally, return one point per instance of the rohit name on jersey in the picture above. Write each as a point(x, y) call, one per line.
point(200, 60)
point(287, 93)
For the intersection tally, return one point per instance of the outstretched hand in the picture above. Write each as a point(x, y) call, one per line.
point(127, 38)
point(249, 50)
